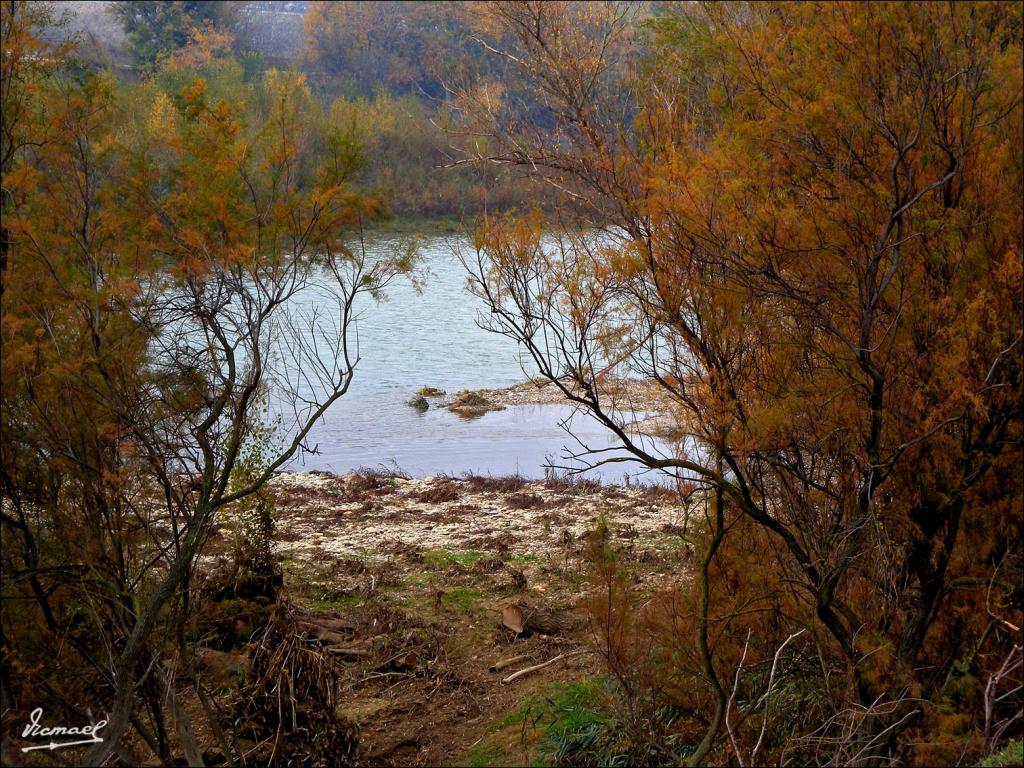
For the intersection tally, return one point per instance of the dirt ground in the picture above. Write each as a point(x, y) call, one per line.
point(414, 574)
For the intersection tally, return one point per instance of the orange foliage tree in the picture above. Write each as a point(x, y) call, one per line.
point(811, 238)
point(159, 248)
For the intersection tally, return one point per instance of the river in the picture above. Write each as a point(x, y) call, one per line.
point(431, 338)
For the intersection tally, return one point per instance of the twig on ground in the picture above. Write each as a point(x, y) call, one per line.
point(499, 665)
point(534, 668)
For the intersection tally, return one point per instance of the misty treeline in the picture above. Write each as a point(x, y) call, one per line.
point(391, 66)
point(811, 240)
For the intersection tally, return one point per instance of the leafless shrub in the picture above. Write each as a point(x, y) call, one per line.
point(440, 493)
point(366, 484)
point(861, 735)
point(501, 484)
point(1003, 697)
point(526, 501)
point(570, 483)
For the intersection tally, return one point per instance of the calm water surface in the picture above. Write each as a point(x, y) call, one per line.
point(431, 338)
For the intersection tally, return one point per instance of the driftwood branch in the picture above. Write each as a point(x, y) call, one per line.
point(535, 667)
point(500, 665)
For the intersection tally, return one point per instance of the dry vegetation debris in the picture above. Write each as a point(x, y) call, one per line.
point(322, 514)
point(447, 603)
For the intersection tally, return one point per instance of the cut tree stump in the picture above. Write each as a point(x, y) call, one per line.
point(524, 619)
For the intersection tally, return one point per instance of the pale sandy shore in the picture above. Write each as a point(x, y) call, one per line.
point(325, 516)
point(643, 404)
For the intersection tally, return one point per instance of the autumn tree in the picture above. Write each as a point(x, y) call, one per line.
point(24, 64)
point(812, 241)
point(369, 46)
point(156, 28)
point(176, 313)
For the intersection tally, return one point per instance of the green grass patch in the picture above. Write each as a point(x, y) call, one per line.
point(486, 755)
point(1011, 754)
point(443, 558)
point(333, 604)
point(550, 728)
point(527, 558)
point(463, 597)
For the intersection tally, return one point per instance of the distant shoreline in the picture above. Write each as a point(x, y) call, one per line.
point(445, 225)
point(643, 397)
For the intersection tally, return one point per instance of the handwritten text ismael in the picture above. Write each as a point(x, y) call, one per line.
point(35, 729)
